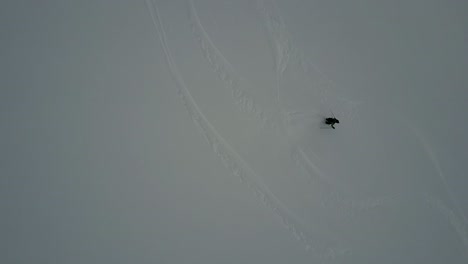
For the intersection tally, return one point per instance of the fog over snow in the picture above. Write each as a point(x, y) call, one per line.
point(192, 131)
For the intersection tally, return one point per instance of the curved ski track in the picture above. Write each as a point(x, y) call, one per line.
point(283, 52)
point(226, 72)
point(234, 82)
point(282, 47)
point(323, 248)
point(276, 28)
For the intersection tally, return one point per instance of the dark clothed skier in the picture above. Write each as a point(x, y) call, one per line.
point(331, 121)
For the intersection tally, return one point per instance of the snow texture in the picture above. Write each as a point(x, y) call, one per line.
point(289, 120)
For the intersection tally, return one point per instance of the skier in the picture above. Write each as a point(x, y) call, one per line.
point(331, 121)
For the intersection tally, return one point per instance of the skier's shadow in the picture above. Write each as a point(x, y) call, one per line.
point(323, 124)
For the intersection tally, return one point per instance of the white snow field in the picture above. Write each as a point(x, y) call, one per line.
point(191, 131)
point(347, 194)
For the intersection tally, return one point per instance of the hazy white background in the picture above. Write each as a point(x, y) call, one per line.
point(124, 139)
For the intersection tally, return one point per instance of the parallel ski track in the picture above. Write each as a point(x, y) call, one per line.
point(284, 50)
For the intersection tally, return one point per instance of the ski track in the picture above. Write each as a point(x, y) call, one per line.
point(283, 52)
point(432, 156)
point(279, 43)
point(226, 72)
point(459, 222)
point(458, 225)
point(324, 248)
point(334, 198)
point(229, 76)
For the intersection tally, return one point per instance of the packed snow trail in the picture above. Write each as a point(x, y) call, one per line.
point(323, 247)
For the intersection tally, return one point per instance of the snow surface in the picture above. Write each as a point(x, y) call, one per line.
point(204, 142)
